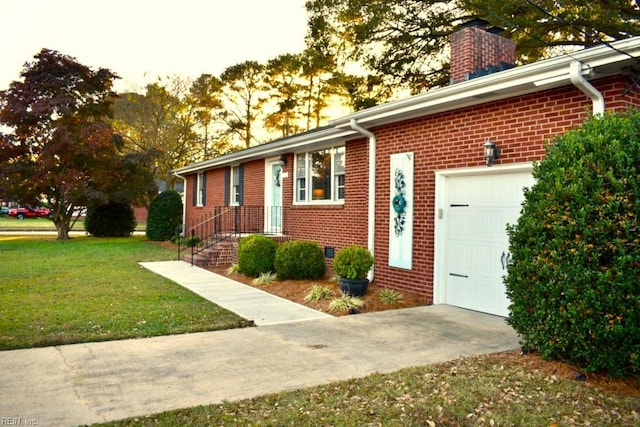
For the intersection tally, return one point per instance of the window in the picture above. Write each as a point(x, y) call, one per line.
point(233, 177)
point(320, 175)
point(235, 185)
point(201, 189)
point(301, 177)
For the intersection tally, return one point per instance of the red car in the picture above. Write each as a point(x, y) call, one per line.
point(28, 212)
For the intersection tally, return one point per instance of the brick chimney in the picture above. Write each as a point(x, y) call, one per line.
point(477, 51)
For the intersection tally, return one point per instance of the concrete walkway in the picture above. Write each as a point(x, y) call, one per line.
point(96, 382)
point(246, 301)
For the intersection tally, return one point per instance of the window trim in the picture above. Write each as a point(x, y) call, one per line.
point(309, 181)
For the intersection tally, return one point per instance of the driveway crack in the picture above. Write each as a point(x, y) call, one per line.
point(75, 377)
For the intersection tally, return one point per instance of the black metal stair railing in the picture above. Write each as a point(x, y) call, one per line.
point(228, 221)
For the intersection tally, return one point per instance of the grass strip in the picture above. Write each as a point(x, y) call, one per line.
point(475, 391)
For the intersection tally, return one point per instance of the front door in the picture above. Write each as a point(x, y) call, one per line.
point(273, 197)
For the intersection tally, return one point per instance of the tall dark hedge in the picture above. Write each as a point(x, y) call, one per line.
point(110, 220)
point(165, 216)
point(575, 277)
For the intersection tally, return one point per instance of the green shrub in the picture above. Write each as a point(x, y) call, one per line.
point(192, 242)
point(165, 216)
point(110, 220)
point(255, 255)
point(574, 281)
point(300, 260)
point(353, 262)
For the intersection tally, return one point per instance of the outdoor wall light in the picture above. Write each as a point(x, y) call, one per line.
point(283, 160)
point(491, 152)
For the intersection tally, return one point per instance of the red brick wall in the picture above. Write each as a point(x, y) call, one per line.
point(214, 196)
point(253, 190)
point(520, 126)
point(254, 183)
point(333, 225)
point(141, 214)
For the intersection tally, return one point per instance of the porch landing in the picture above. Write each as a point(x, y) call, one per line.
point(251, 303)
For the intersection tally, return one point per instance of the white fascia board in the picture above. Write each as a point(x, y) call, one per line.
point(279, 147)
point(501, 85)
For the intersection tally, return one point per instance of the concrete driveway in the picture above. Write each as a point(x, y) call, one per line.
point(96, 382)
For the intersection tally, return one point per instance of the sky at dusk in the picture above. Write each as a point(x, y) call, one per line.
point(142, 39)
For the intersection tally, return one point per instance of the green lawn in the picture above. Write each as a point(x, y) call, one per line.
point(92, 289)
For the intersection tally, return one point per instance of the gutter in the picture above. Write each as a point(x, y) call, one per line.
point(371, 212)
point(575, 73)
point(275, 148)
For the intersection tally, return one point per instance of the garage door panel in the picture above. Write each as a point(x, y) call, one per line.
point(478, 210)
point(460, 259)
point(459, 290)
point(464, 219)
point(491, 296)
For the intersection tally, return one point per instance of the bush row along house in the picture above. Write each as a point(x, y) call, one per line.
point(410, 179)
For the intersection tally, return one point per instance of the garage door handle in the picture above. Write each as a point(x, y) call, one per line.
point(458, 275)
point(505, 259)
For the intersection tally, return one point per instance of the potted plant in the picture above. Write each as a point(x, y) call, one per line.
point(352, 264)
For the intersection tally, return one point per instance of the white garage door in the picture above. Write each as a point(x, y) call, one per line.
point(477, 211)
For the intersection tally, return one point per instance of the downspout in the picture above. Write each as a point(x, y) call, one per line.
point(575, 73)
point(184, 203)
point(371, 211)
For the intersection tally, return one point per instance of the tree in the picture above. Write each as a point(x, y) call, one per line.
point(282, 77)
point(205, 97)
point(245, 92)
point(60, 149)
point(407, 40)
point(573, 280)
point(319, 85)
point(537, 25)
point(363, 92)
point(159, 124)
point(403, 40)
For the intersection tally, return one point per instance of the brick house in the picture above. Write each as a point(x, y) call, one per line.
point(409, 179)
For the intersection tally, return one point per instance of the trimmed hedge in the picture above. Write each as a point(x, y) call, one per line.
point(110, 220)
point(256, 255)
point(575, 278)
point(165, 216)
point(300, 260)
